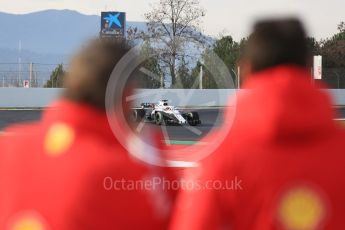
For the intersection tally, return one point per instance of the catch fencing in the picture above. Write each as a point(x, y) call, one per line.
point(33, 75)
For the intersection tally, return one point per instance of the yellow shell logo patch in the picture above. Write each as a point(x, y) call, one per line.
point(301, 209)
point(58, 139)
point(28, 224)
point(27, 221)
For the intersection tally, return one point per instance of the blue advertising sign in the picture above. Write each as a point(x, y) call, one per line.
point(113, 24)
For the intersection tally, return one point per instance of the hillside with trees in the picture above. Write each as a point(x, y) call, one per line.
point(174, 34)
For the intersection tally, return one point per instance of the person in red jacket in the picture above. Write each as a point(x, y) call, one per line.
point(282, 164)
point(68, 171)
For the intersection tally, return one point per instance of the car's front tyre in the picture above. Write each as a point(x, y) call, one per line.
point(159, 118)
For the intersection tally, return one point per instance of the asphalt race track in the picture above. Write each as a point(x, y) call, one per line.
point(10, 117)
point(175, 133)
point(209, 118)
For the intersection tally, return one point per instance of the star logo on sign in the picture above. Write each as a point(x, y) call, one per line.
point(114, 19)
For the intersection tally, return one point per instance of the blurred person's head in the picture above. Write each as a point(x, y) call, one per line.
point(275, 42)
point(90, 70)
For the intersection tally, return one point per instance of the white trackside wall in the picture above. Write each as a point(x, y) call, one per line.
point(38, 98)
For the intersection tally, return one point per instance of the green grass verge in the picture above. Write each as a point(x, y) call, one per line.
point(170, 142)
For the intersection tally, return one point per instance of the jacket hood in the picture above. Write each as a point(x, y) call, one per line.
point(284, 103)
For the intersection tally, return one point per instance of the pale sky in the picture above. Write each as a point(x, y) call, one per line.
point(321, 17)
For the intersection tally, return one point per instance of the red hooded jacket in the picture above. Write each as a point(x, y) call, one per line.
point(280, 167)
point(68, 172)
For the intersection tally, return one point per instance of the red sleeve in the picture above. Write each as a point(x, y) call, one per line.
point(107, 204)
point(195, 210)
point(208, 206)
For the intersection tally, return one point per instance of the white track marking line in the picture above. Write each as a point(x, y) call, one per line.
point(182, 164)
point(193, 130)
point(165, 134)
point(141, 125)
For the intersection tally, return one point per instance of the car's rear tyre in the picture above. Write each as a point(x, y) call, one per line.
point(159, 119)
point(137, 115)
point(193, 119)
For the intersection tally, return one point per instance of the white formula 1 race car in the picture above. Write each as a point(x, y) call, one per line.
point(163, 114)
